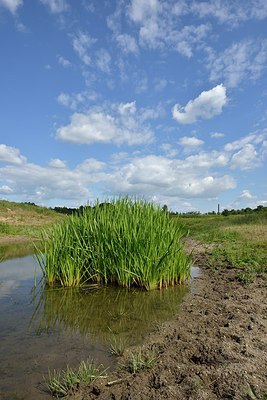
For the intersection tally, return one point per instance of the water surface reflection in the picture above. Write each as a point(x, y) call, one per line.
point(50, 328)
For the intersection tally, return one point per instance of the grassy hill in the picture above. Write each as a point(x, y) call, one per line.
point(25, 219)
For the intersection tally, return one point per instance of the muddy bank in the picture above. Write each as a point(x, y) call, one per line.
point(6, 240)
point(215, 348)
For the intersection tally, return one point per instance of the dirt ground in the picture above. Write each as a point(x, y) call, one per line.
point(5, 240)
point(216, 348)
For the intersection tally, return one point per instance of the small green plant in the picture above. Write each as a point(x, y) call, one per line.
point(140, 360)
point(117, 346)
point(246, 276)
point(60, 383)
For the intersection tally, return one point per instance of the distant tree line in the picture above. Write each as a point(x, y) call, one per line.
point(243, 211)
point(225, 212)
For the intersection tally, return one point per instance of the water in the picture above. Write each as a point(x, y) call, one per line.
point(41, 329)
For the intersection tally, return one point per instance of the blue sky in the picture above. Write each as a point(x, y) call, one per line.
point(161, 99)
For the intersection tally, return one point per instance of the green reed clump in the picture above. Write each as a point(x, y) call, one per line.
point(125, 242)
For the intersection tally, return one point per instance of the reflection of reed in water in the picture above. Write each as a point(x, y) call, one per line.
point(105, 312)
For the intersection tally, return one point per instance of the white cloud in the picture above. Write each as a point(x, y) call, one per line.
point(74, 100)
point(4, 189)
point(160, 85)
point(155, 175)
point(81, 44)
point(246, 195)
point(56, 6)
point(205, 106)
point(242, 61)
point(246, 158)
point(125, 108)
point(103, 60)
point(11, 155)
point(127, 43)
point(119, 125)
point(140, 10)
point(190, 141)
point(164, 177)
point(57, 163)
point(63, 61)
point(11, 5)
point(169, 150)
point(232, 12)
point(217, 135)
point(40, 184)
point(251, 138)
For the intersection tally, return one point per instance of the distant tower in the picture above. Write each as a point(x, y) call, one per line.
point(218, 209)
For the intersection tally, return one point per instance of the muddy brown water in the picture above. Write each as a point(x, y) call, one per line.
point(50, 329)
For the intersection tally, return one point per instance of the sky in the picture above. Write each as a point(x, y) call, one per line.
point(163, 100)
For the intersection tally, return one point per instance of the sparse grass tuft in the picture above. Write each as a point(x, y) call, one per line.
point(117, 346)
point(139, 361)
point(60, 383)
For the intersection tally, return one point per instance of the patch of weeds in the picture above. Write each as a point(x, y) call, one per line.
point(218, 258)
point(246, 276)
point(117, 346)
point(60, 383)
point(139, 361)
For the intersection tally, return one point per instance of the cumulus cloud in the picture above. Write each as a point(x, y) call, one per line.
point(56, 6)
point(172, 178)
point(119, 125)
point(205, 106)
point(168, 177)
point(246, 195)
point(11, 5)
point(57, 163)
point(44, 183)
point(169, 150)
point(241, 142)
point(190, 141)
point(4, 189)
point(246, 158)
point(11, 155)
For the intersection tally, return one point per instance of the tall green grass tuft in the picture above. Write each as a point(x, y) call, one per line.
point(125, 242)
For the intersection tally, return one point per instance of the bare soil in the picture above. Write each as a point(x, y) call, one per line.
point(5, 240)
point(215, 348)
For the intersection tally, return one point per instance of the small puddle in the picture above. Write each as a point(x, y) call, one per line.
point(53, 328)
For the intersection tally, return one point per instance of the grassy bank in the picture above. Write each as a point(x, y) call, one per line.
point(18, 219)
point(239, 241)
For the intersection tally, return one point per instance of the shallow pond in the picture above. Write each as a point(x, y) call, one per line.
point(41, 329)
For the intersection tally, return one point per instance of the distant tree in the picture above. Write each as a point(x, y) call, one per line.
point(225, 212)
point(165, 208)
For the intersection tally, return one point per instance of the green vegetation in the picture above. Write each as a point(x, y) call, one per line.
point(239, 241)
point(130, 243)
point(117, 345)
point(60, 383)
point(25, 219)
point(139, 360)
